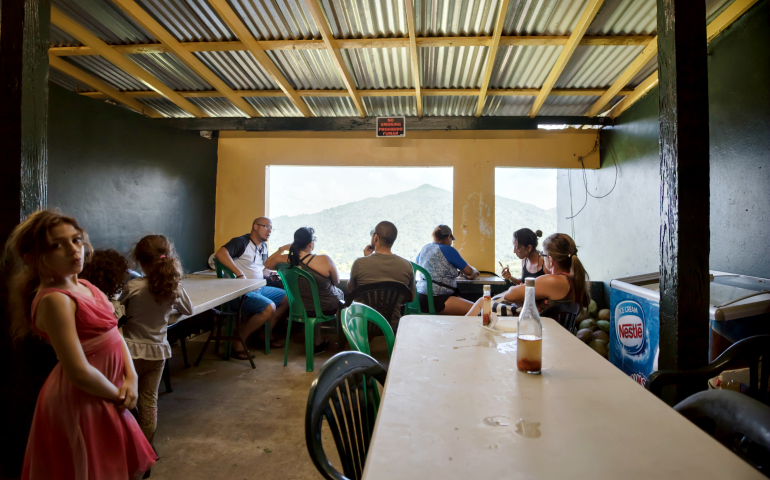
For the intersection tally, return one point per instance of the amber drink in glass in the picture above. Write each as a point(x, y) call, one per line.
point(529, 345)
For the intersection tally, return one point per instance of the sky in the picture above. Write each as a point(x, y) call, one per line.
point(296, 190)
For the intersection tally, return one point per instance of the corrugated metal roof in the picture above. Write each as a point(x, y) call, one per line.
point(67, 82)
point(165, 107)
point(381, 68)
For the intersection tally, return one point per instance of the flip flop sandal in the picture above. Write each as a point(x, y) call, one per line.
point(241, 355)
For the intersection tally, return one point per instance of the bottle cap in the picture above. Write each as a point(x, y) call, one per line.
point(530, 282)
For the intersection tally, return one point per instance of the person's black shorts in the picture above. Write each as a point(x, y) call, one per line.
point(439, 302)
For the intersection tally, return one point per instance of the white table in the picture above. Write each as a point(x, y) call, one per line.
point(453, 385)
point(481, 280)
point(207, 291)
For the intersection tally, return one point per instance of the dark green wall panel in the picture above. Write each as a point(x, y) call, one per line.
point(124, 176)
point(618, 236)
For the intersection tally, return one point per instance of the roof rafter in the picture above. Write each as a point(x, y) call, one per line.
point(499, 23)
point(713, 29)
point(103, 88)
point(331, 45)
point(173, 45)
point(569, 48)
point(415, 58)
point(406, 92)
point(630, 72)
point(87, 38)
point(236, 25)
point(360, 43)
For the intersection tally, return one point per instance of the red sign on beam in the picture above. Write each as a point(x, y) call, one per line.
point(391, 127)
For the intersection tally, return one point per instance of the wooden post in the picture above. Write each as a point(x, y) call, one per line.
point(24, 113)
point(684, 190)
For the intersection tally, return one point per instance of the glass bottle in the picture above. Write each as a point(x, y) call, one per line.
point(486, 307)
point(529, 344)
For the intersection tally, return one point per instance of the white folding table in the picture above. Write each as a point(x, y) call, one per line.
point(456, 407)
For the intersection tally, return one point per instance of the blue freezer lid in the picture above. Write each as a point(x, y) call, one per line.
point(732, 296)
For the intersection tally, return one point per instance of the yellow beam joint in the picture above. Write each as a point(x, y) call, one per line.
point(501, 13)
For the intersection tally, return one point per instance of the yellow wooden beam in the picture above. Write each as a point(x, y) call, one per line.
point(87, 38)
point(630, 72)
point(334, 50)
point(357, 43)
point(244, 35)
point(174, 46)
point(717, 26)
point(415, 57)
point(499, 23)
point(106, 90)
point(569, 48)
point(395, 92)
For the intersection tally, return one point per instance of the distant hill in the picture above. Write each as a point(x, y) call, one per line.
point(343, 231)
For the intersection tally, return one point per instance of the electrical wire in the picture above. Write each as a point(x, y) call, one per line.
point(585, 178)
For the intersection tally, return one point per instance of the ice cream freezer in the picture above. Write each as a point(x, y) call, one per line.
point(739, 308)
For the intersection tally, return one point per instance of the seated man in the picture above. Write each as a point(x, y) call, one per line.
point(380, 264)
point(245, 256)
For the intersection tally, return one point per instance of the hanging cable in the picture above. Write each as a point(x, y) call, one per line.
point(585, 178)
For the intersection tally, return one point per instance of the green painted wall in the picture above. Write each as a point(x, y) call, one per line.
point(618, 236)
point(124, 176)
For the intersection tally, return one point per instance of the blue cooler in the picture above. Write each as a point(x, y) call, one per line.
point(740, 308)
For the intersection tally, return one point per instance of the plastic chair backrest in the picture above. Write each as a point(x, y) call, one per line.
point(385, 297)
point(565, 314)
point(749, 350)
point(414, 305)
point(354, 324)
point(222, 271)
point(290, 276)
point(735, 420)
point(345, 395)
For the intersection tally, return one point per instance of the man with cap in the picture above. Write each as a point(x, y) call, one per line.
point(443, 263)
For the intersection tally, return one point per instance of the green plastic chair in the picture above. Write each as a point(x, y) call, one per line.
point(354, 324)
point(224, 272)
point(413, 307)
point(297, 313)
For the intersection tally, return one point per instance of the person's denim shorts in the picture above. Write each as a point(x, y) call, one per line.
point(258, 300)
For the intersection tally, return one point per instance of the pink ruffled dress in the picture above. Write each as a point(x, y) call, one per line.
point(76, 435)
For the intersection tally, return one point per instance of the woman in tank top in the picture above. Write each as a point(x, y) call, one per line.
point(323, 271)
point(566, 281)
point(525, 247)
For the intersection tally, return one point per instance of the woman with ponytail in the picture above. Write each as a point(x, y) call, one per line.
point(149, 301)
point(323, 270)
point(82, 426)
point(525, 247)
point(566, 281)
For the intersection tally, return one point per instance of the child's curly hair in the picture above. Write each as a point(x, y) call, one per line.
point(156, 255)
point(107, 271)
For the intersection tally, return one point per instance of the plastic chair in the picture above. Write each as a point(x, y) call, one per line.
point(355, 321)
point(749, 350)
point(297, 313)
point(565, 314)
point(413, 307)
point(345, 394)
point(735, 420)
point(385, 297)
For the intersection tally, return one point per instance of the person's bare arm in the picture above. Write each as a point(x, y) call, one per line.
point(470, 271)
point(546, 287)
point(55, 316)
point(277, 257)
point(225, 259)
point(333, 273)
point(129, 389)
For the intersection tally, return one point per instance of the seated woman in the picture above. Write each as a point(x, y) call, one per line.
point(443, 263)
point(566, 280)
point(323, 271)
point(525, 247)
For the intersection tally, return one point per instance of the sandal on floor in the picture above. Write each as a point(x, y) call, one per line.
point(321, 347)
point(241, 355)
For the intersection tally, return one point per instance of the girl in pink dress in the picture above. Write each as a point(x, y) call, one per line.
point(82, 428)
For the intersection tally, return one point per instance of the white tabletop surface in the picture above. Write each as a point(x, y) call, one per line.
point(453, 399)
point(481, 280)
point(207, 291)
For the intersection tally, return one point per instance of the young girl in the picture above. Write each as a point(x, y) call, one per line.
point(82, 426)
point(148, 301)
point(108, 271)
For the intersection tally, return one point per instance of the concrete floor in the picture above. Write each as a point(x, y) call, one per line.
point(226, 420)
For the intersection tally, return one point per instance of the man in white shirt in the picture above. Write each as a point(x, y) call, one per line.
point(245, 256)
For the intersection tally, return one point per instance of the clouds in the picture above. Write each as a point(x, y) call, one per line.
point(530, 185)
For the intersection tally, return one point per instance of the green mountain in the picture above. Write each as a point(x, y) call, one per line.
point(343, 231)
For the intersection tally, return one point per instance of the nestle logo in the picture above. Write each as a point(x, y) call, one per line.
point(629, 327)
